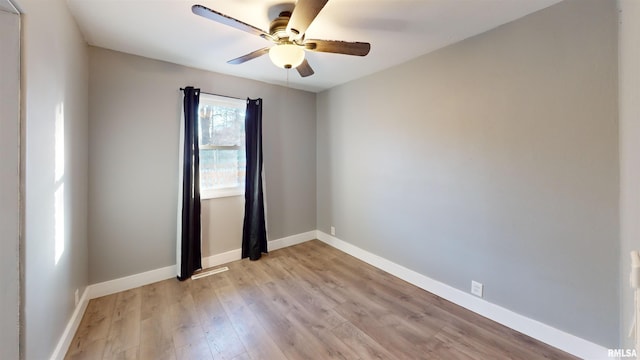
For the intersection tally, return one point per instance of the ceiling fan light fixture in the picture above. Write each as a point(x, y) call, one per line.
point(286, 56)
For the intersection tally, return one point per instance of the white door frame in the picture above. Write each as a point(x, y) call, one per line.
point(10, 208)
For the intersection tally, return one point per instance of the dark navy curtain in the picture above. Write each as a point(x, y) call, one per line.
point(254, 234)
point(190, 249)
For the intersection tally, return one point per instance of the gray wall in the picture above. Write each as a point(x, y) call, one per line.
point(222, 220)
point(9, 183)
point(495, 160)
point(135, 105)
point(55, 86)
point(629, 78)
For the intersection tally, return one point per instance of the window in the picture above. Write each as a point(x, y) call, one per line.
point(222, 150)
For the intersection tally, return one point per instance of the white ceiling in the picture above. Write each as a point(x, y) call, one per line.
point(398, 30)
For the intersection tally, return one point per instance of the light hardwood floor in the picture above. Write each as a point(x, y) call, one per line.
point(308, 301)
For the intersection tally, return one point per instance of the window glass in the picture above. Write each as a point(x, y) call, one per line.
point(222, 146)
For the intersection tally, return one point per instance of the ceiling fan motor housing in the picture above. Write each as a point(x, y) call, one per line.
point(278, 27)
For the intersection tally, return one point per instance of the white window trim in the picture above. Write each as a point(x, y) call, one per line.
point(220, 147)
point(221, 193)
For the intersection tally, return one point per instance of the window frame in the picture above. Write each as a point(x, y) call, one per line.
point(217, 100)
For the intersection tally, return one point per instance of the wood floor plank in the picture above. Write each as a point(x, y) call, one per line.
point(298, 288)
point(393, 337)
point(131, 353)
point(331, 346)
point(195, 349)
point(397, 305)
point(173, 290)
point(297, 325)
point(94, 327)
point(124, 331)
point(153, 299)
point(443, 349)
point(308, 301)
point(222, 338)
point(89, 351)
point(243, 356)
point(183, 319)
point(310, 281)
point(304, 302)
point(310, 318)
point(156, 337)
point(124, 334)
point(294, 343)
point(218, 329)
point(127, 301)
point(255, 338)
point(362, 344)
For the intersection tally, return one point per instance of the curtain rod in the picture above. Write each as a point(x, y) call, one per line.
point(227, 96)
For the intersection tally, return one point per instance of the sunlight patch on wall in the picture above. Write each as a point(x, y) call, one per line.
point(59, 223)
point(59, 228)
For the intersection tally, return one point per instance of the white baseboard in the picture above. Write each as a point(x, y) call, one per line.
point(131, 281)
point(537, 330)
point(71, 328)
point(292, 240)
point(148, 277)
point(219, 259)
point(236, 254)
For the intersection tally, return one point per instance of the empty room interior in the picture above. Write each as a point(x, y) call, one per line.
point(436, 179)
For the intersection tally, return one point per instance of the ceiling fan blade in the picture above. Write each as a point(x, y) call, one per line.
point(305, 69)
point(229, 21)
point(249, 56)
point(303, 15)
point(338, 47)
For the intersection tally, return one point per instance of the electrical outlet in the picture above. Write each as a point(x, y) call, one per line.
point(77, 296)
point(476, 288)
point(333, 231)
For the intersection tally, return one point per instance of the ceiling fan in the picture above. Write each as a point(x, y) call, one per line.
point(287, 33)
